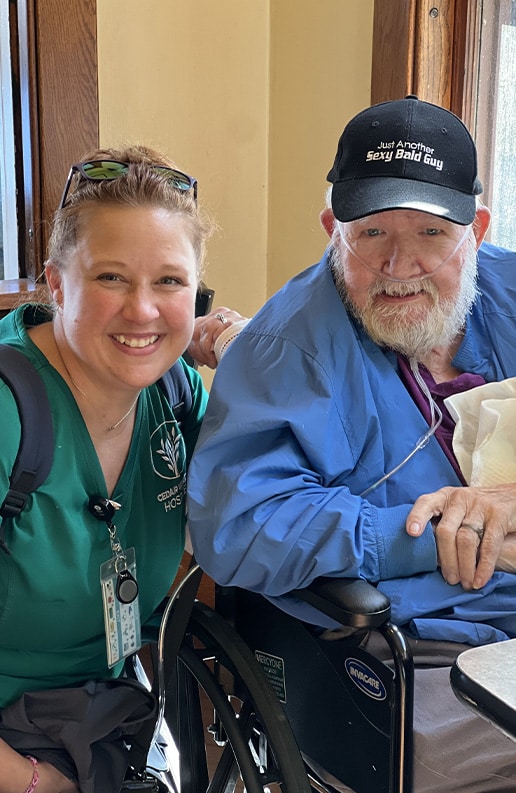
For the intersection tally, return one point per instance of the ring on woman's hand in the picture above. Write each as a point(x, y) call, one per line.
point(222, 318)
point(479, 530)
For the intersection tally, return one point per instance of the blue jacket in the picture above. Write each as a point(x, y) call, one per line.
point(305, 413)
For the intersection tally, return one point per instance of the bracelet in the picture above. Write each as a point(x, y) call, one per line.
point(227, 336)
point(35, 774)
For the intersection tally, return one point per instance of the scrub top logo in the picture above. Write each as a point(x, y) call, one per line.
point(168, 451)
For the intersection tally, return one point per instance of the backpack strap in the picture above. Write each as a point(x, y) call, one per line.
point(176, 387)
point(36, 451)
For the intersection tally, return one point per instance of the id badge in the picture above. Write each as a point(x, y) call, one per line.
point(121, 615)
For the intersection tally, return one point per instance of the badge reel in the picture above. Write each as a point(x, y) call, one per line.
point(119, 589)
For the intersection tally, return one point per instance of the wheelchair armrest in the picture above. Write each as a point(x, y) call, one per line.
point(352, 602)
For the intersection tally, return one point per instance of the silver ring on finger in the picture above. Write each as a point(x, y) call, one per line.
point(222, 317)
point(479, 530)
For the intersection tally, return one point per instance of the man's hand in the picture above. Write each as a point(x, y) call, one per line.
point(474, 529)
point(207, 330)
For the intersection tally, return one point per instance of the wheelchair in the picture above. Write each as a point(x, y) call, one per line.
point(256, 701)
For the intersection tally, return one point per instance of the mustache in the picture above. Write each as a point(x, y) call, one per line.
point(402, 288)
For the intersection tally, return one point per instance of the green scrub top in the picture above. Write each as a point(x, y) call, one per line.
point(51, 615)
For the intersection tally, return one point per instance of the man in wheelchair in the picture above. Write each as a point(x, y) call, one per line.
point(328, 448)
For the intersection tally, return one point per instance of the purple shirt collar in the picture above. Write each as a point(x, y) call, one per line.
point(439, 392)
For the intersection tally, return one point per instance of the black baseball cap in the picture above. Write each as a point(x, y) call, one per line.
point(405, 154)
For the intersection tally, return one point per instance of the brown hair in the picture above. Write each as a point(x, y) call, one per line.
point(141, 186)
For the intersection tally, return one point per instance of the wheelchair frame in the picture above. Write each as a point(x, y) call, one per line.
point(357, 604)
point(256, 748)
point(209, 662)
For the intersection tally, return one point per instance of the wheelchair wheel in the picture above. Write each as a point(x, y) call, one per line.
point(230, 729)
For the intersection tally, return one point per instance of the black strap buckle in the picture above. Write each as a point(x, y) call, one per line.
point(13, 503)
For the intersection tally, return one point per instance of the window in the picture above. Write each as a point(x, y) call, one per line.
point(495, 114)
point(8, 222)
point(460, 54)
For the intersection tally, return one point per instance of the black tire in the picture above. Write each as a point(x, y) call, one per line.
point(249, 745)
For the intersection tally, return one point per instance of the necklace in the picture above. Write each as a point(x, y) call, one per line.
point(126, 415)
point(111, 427)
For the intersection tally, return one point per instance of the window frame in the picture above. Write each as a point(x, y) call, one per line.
point(432, 49)
point(56, 118)
point(428, 48)
point(7, 166)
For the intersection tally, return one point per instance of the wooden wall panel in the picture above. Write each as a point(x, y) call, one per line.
point(67, 97)
point(433, 46)
point(424, 47)
point(393, 49)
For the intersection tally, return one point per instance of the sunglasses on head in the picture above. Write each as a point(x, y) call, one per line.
point(105, 170)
